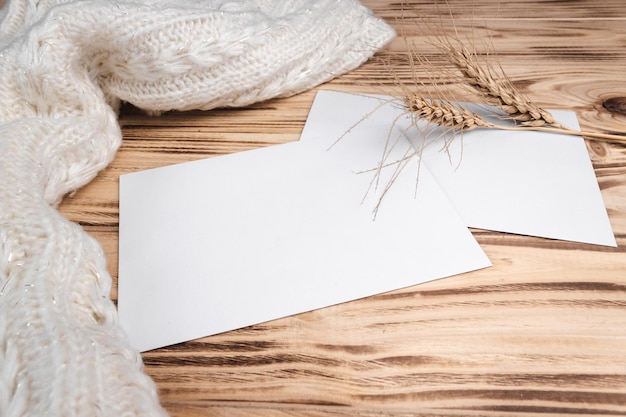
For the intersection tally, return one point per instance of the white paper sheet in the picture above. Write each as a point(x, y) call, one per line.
point(528, 183)
point(218, 244)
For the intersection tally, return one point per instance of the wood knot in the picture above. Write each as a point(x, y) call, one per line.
point(615, 105)
point(597, 150)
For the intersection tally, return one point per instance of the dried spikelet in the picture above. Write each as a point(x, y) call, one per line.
point(443, 113)
point(499, 91)
point(496, 89)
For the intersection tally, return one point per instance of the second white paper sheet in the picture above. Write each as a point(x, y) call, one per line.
point(222, 243)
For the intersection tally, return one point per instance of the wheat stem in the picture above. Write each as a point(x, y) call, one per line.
point(603, 137)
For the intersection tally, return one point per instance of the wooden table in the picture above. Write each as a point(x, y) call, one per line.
point(541, 332)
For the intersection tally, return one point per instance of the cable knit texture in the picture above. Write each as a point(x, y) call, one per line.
point(64, 68)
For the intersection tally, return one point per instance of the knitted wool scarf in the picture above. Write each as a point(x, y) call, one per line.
point(65, 66)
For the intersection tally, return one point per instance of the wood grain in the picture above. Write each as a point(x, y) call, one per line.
point(542, 332)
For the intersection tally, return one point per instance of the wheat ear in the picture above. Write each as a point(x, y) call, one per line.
point(501, 92)
point(444, 113)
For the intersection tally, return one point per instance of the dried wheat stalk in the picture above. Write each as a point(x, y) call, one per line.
point(492, 85)
point(498, 91)
point(495, 88)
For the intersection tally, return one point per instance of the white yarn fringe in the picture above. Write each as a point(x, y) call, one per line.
point(64, 68)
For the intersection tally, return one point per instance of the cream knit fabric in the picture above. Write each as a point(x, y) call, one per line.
point(64, 67)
